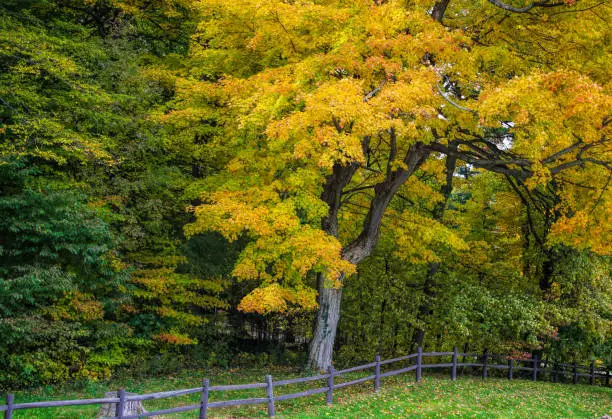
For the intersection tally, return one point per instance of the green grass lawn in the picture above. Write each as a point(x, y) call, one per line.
point(435, 397)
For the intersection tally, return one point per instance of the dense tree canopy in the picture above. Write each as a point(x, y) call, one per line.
point(351, 101)
point(188, 177)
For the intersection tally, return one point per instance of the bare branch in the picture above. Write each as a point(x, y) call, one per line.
point(286, 31)
point(356, 189)
point(392, 151)
point(528, 209)
point(374, 92)
point(456, 105)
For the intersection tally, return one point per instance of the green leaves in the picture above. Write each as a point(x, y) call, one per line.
point(57, 274)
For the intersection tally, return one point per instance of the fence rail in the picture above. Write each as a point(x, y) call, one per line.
point(538, 367)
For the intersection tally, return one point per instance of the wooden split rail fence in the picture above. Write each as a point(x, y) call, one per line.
point(486, 362)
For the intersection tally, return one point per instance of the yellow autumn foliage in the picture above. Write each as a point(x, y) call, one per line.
point(314, 87)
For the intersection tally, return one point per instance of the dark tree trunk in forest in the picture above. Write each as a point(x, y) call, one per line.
point(383, 310)
point(425, 308)
point(547, 272)
point(381, 327)
point(321, 346)
point(439, 9)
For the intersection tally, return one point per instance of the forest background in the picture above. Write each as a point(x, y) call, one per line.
point(167, 176)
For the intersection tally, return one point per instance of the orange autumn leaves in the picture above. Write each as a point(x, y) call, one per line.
point(559, 124)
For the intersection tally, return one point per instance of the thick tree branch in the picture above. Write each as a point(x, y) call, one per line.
point(580, 161)
point(384, 191)
point(498, 166)
point(447, 188)
point(566, 150)
point(500, 161)
point(374, 92)
point(525, 9)
point(439, 9)
point(332, 191)
point(449, 100)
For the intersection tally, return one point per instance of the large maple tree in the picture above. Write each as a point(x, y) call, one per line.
point(331, 106)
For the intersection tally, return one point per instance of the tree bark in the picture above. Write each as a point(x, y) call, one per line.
point(326, 323)
point(439, 9)
point(130, 408)
point(322, 344)
point(324, 336)
point(364, 244)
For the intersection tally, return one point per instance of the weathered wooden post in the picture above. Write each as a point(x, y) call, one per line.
point(121, 404)
point(534, 375)
point(575, 373)
point(130, 407)
point(270, 393)
point(377, 374)
point(485, 357)
point(10, 401)
point(510, 368)
point(419, 363)
point(556, 372)
point(204, 398)
point(454, 368)
point(330, 385)
point(608, 376)
point(592, 372)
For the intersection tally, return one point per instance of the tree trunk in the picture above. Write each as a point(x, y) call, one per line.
point(130, 408)
point(439, 9)
point(425, 309)
point(322, 344)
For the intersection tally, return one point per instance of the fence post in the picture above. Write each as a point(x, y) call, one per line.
point(330, 385)
point(510, 368)
point(454, 369)
point(270, 393)
point(204, 398)
point(534, 375)
point(592, 377)
point(607, 376)
point(10, 400)
point(556, 372)
point(575, 373)
point(120, 407)
point(419, 363)
point(485, 355)
point(377, 373)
